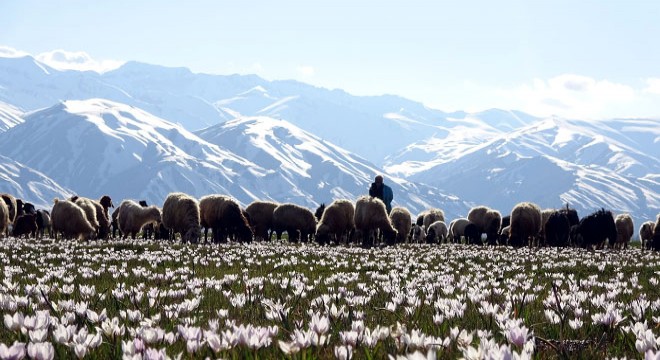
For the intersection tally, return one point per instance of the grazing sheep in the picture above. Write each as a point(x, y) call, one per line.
point(556, 229)
point(504, 234)
point(457, 229)
point(571, 215)
point(431, 216)
point(506, 221)
point(624, 230)
point(181, 215)
point(319, 212)
point(417, 234)
point(224, 216)
point(25, 225)
point(261, 218)
point(594, 229)
point(402, 222)
point(10, 201)
point(487, 221)
point(28, 208)
point(646, 234)
point(436, 233)
point(371, 215)
point(70, 219)
point(131, 217)
point(298, 222)
point(420, 218)
point(655, 241)
point(90, 209)
point(43, 223)
point(4, 218)
point(114, 223)
point(525, 224)
point(336, 222)
point(19, 209)
point(472, 234)
point(106, 202)
point(148, 228)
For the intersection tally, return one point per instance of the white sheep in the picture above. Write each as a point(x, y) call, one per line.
point(402, 222)
point(70, 219)
point(131, 217)
point(624, 230)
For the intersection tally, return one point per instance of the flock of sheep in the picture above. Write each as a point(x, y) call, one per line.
point(365, 222)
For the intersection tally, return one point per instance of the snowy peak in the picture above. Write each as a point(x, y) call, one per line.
point(9, 116)
point(29, 184)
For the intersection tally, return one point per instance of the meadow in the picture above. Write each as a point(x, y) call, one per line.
point(158, 300)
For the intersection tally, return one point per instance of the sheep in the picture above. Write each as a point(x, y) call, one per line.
point(261, 218)
point(525, 224)
point(624, 229)
point(556, 229)
point(417, 234)
point(472, 234)
point(457, 228)
point(594, 229)
point(436, 233)
point(148, 228)
point(70, 219)
point(28, 208)
point(89, 208)
point(402, 222)
point(10, 201)
point(655, 241)
point(99, 213)
point(571, 215)
point(504, 234)
point(19, 209)
point(646, 234)
point(106, 202)
point(131, 217)
point(4, 218)
point(336, 222)
point(181, 215)
point(319, 212)
point(224, 216)
point(293, 219)
point(371, 215)
point(487, 221)
point(25, 225)
point(506, 221)
point(114, 223)
point(420, 218)
point(43, 223)
point(431, 216)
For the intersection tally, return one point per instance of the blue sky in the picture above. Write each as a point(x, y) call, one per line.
point(571, 58)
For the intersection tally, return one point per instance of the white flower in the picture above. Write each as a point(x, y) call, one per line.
point(15, 352)
point(343, 352)
point(15, 322)
point(41, 351)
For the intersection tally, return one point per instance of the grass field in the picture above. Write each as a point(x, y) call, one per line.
point(114, 299)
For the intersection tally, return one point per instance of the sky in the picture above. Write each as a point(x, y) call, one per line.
point(577, 59)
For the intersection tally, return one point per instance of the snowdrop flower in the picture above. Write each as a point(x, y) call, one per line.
point(518, 336)
point(40, 320)
point(14, 352)
point(288, 348)
point(575, 323)
point(645, 341)
point(320, 324)
point(41, 351)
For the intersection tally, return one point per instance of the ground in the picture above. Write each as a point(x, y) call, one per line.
point(275, 300)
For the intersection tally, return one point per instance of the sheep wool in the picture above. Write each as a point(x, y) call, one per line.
point(336, 222)
point(261, 217)
point(224, 216)
point(401, 221)
point(371, 215)
point(181, 215)
point(293, 219)
point(131, 217)
point(70, 219)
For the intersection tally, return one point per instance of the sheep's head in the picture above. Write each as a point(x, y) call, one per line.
point(322, 235)
point(192, 235)
point(106, 202)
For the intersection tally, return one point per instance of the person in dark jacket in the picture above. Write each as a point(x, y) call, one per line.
point(380, 190)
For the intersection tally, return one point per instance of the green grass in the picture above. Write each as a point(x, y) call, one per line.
point(363, 282)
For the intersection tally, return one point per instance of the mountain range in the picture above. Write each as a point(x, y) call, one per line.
point(142, 131)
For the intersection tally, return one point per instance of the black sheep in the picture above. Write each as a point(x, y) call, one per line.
point(25, 225)
point(596, 228)
point(472, 234)
point(557, 229)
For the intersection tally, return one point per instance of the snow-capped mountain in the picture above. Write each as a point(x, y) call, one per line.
point(99, 147)
point(28, 184)
point(613, 164)
point(9, 116)
point(315, 165)
point(378, 125)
